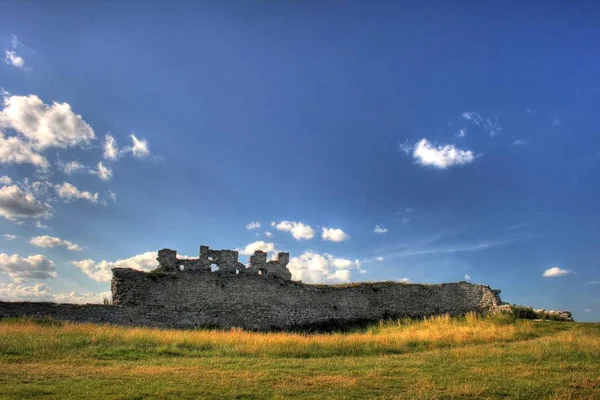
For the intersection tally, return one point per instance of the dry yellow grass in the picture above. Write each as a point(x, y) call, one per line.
point(439, 357)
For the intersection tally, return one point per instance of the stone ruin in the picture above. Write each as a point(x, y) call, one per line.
point(216, 290)
point(226, 262)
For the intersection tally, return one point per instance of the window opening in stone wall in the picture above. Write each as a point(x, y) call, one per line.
point(214, 268)
point(262, 271)
point(181, 267)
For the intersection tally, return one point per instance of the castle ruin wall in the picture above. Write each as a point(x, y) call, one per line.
point(186, 293)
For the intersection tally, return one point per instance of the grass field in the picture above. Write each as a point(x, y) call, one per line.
point(441, 357)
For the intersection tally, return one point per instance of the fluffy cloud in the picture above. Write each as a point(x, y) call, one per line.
point(50, 241)
point(258, 245)
point(139, 148)
point(12, 58)
point(16, 292)
point(103, 172)
point(298, 230)
point(81, 298)
point(39, 225)
point(555, 271)
point(380, 229)
point(380, 259)
point(69, 192)
point(43, 125)
point(101, 271)
point(440, 156)
point(15, 204)
point(5, 180)
point(312, 267)
point(111, 151)
point(253, 225)
point(14, 150)
point(334, 235)
point(41, 292)
point(404, 280)
point(72, 167)
point(34, 267)
point(8, 236)
point(268, 234)
point(467, 277)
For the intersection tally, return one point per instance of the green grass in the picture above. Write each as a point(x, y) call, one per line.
point(442, 357)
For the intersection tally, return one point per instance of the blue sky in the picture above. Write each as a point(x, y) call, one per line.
point(428, 142)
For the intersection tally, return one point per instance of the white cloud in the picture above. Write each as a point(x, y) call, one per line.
point(14, 150)
point(592, 283)
point(72, 167)
point(268, 234)
point(404, 280)
point(380, 259)
point(50, 241)
point(587, 310)
point(34, 267)
point(113, 196)
point(103, 172)
point(15, 204)
point(12, 58)
point(440, 156)
point(5, 180)
point(555, 271)
point(15, 292)
point(8, 236)
point(39, 225)
point(41, 292)
point(312, 267)
point(69, 192)
point(139, 148)
point(467, 277)
point(82, 298)
point(111, 151)
point(253, 225)
point(298, 230)
point(258, 245)
point(520, 142)
point(409, 210)
point(14, 41)
point(489, 124)
point(334, 234)
point(43, 125)
point(101, 271)
point(380, 229)
point(462, 133)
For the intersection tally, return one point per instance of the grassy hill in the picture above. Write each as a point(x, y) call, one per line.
point(440, 357)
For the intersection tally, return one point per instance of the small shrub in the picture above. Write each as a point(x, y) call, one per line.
point(524, 312)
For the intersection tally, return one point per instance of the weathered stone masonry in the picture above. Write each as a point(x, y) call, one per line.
point(184, 293)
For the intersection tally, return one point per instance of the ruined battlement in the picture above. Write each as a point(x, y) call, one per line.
point(226, 262)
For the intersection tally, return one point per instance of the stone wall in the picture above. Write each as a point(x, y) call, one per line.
point(185, 293)
point(262, 303)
